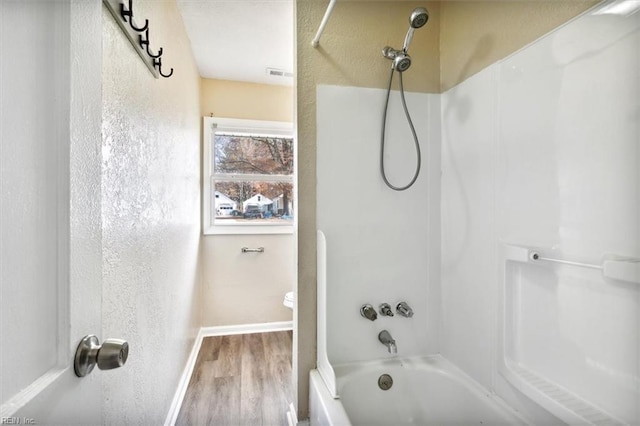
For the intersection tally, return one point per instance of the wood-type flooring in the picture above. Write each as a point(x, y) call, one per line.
point(240, 380)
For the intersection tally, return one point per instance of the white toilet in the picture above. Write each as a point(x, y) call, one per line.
point(289, 298)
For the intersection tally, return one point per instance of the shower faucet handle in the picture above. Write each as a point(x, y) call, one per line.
point(368, 312)
point(385, 310)
point(404, 310)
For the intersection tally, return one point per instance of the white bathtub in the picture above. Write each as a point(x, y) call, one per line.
point(425, 391)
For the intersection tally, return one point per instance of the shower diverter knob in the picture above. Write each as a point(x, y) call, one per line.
point(113, 353)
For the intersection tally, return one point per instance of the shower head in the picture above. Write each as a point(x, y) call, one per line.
point(400, 58)
point(418, 18)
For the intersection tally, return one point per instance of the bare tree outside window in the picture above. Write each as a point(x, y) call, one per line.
point(254, 174)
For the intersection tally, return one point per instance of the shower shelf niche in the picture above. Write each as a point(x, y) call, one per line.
point(569, 334)
point(561, 402)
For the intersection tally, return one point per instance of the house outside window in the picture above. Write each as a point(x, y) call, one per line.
point(249, 177)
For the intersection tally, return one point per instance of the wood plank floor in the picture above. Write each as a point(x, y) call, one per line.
point(240, 380)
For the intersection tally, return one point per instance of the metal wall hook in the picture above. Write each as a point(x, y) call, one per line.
point(157, 62)
point(124, 13)
point(144, 43)
point(146, 25)
point(152, 55)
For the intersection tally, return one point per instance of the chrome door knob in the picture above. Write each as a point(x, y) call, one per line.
point(113, 353)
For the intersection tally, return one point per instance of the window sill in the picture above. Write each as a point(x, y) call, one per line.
point(246, 229)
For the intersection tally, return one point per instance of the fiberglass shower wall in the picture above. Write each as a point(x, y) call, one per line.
point(382, 245)
point(541, 152)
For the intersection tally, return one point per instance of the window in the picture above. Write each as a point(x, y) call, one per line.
point(249, 180)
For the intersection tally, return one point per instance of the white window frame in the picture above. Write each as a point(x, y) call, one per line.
point(211, 125)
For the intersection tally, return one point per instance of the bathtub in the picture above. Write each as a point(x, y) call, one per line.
point(425, 391)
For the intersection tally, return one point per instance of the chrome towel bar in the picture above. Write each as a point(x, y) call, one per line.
point(252, 250)
point(535, 256)
point(613, 267)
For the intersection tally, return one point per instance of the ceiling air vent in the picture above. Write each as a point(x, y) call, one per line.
point(275, 72)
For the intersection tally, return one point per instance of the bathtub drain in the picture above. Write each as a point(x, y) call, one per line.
point(385, 382)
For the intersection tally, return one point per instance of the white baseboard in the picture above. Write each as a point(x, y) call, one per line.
point(292, 416)
point(184, 382)
point(224, 330)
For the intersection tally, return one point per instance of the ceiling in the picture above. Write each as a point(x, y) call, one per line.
point(239, 39)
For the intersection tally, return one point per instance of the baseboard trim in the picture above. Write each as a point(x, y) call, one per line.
point(292, 416)
point(184, 381)
point(266, 327)
point(224, 330)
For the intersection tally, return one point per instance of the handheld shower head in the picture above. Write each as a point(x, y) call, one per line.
point(400, 58)
point(418, 18)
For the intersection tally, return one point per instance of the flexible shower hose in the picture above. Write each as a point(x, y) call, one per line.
point(413, 131)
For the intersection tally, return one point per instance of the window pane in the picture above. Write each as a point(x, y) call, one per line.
point(253, 202)
point(253, 154)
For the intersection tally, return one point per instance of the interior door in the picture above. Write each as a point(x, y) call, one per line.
point(50, 246)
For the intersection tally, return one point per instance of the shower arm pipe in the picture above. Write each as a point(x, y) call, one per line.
point(325, 19)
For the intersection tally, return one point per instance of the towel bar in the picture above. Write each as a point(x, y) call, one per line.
point(252, 250)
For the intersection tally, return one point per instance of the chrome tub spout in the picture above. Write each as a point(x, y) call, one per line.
point(385, 338)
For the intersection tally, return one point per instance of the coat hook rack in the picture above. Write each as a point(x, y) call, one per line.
point(158, 63)
point(144, 43)
point(122, 12)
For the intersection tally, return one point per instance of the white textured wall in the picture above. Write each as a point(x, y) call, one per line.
point(246, 288)
point(542, 150)
point(150, 213)
point(382, 245)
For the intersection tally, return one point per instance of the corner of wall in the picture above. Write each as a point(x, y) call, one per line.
point(476, 34)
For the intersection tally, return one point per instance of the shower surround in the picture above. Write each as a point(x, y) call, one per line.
point(382, 245)
point(539, 152)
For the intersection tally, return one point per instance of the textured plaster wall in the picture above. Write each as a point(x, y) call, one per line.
point(475, 34)
point(251, 101)
point(150, 214)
